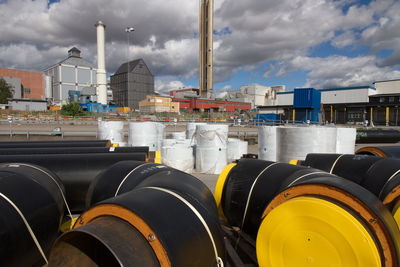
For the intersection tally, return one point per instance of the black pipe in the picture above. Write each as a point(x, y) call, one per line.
point(95, 245)
point(254, 183)
point(381, 151)
point(166, 201)
point(37, 194)
point(370, 136)
point(125, 176)
point(60, 143)
point(351, 167)
point(71, 150)
point(76, 171)
point(360, 202)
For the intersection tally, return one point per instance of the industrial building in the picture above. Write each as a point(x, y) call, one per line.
point(155, 104)
point(26, 84)
point(378, 104)
point(257, 95)
point(132, 83)
point(71, 74)
point(203, 104)
point(27, 104)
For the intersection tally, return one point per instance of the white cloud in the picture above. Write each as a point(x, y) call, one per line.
point(345, 39)
point(163, 86)
point(34, 36)
point(338, 71)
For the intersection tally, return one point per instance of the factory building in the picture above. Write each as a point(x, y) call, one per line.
point(131, 83)
point(203, 104)
point(71, 74)
point(26, 84)
point(378, 104)
point(155, 104)
point(257, 95)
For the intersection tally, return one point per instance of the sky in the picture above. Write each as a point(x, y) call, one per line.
point(296, 43)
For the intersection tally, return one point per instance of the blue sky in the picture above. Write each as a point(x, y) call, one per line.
point(296, 43)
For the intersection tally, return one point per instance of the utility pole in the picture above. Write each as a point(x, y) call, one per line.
point(128, 30)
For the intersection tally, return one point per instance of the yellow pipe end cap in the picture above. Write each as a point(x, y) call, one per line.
point(308, 231)
point(219, 187)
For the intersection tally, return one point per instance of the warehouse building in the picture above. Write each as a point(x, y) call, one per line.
point(26, 84)
point(257, 95)
point(378, 104)
point(71, 74)
point(131, 83)
point(155, 104)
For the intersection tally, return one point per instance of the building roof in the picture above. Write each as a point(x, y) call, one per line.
point(74, 59)
point(132, 65)
point(394, 80)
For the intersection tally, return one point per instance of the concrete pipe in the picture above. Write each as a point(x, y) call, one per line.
point(31, 207)
point(76, 171)
point(170, 215)
point(327, 221)
point(59, 143)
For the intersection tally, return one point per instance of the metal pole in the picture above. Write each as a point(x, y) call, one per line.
point(127, 30)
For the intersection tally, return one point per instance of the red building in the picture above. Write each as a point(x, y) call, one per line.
point(32, 83)
point(200, 104)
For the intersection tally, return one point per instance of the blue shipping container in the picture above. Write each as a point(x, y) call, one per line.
point(306, 98)
point(305, 115)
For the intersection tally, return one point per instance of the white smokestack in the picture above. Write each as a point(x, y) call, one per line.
point(101, 64)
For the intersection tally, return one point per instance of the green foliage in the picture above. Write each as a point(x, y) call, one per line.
point(72, 109)
point(5, 91)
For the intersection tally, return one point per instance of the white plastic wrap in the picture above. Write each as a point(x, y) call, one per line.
point(191, 129)
point(178, 156)
point(267, 143)
point(178, 135)
point(111, 130)
point(211, 160)
point(148, 134)
point(346, 140)
point(236, 148)
point(168, 142)
point(212, 135)
point(294, 143)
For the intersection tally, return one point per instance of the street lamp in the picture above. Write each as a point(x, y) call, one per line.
point(127, 30)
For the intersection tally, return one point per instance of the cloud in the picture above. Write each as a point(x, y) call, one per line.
point(250, 34)
point(337, 71)
point(163, 86)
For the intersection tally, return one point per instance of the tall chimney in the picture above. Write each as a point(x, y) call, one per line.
point(101, 89)
point(206, 27)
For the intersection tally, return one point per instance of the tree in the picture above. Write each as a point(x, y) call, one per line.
point(72, 109)
point(5, 91)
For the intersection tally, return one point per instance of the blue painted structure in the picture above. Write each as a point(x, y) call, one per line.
point(267, 118)
point(306, 98)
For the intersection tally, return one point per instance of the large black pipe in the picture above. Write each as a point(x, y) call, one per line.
point(351, 167)
point(379, 175)
point(370, 136)
point(252, 184)
point(125, 176)
point(76, 171)
point(361, 203)
point(177, 207)
point(58, 143)
point(38, 195)
point(72, 150)
point(381, 151)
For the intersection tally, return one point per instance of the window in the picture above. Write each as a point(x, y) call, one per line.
point(26, 90)
point(381, 99)
point(391, 99)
